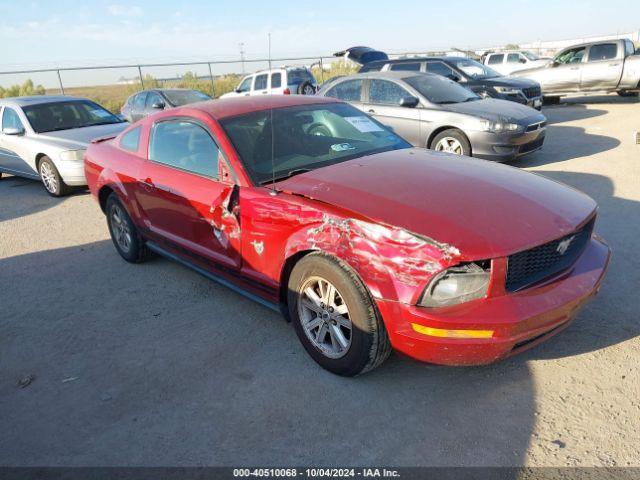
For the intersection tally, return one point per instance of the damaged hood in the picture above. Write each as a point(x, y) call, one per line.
point(483, 209)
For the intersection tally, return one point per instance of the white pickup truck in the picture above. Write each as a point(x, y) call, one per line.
point(606, 66)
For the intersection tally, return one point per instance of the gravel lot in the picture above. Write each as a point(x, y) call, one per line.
point(154, 365)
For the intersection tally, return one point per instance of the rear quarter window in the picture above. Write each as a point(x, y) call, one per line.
point(130, 141)
point(349, 91)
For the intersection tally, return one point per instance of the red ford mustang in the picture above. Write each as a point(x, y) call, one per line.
point(363, 242)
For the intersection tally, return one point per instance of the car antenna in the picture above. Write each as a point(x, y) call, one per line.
point(273, 192)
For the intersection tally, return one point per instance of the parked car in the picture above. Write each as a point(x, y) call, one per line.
point(277, 81)
point(478, 78)
point(44, 138)
point(363, 242)
point(431, 111)
point(610, 66)
point(508, 61)
point(147, 102)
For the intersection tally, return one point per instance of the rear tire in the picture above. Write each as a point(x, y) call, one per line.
point(124, 234)
point(341, 328)
point(51, 179)
point(452, 141)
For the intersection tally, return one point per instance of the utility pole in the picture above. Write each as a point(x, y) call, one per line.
point(242, 56)
point(269, 50)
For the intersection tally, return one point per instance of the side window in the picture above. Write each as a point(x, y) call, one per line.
point(138, 102)
point(261, 82)
point(153, 98)
point(384, 92)
point(496, 59)
point(131, 140)
point(276, 80)
point(440, 68)
point(513, 58)
point(603, 51)
point(10, 119)
point(349, 91)
point(573, 55)
point(184, 145)
point(406, 67)
point(245, 85)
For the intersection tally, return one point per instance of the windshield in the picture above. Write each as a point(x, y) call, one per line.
point(440, 90)
point(177, 98)
point(51, 117)
point(474, 69)
point(305, 138)
point(530, 55)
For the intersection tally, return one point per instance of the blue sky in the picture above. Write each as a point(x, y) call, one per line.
point(64, 33)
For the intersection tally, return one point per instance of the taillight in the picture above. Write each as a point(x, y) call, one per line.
point(286, 92)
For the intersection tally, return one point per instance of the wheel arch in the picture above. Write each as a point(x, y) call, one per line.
point(443, 128)
point(103, 194)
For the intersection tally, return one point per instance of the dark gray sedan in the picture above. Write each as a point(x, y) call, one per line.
point(150, 101)
point(434, 112)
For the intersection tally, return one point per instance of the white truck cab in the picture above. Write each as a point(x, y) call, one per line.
point(509, 61)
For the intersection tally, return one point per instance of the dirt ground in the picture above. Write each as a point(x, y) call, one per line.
point(152, 365)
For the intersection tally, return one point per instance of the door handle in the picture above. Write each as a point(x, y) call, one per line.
point(574, 68)
point(614, 64)
point(371, 110)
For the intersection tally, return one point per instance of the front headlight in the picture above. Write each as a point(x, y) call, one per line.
point(498, 126)
point(72, 155)
point(508, 90)
point(458, 284)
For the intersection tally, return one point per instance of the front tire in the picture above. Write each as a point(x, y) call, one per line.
point(51, 179)
point(452, 141)
point(625, 93)
point(334, 316)
point(124, 234)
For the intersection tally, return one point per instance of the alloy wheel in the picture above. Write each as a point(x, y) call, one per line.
point(120, 228)
point(308, 90)
point(48, 176)
point(324, 317)
point(449, 145)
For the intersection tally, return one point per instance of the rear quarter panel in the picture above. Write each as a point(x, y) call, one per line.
point(631, 73)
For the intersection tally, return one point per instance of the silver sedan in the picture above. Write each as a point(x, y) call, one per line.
point(44, 137)
point(434, 112)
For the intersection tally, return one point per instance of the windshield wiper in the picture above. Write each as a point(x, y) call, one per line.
point(290, 173)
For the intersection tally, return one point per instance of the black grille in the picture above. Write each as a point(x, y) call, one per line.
point(532, 92)
point(529, 147)
point(538, 263)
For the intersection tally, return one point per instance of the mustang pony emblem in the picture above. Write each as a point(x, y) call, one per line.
point(563, 246)
point(259, 246)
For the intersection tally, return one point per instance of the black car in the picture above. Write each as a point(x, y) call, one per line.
point(147, 102)
point(475, 76)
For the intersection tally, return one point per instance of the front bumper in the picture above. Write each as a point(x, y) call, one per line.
point(518, 320)
point(505, 147)
point(72, 172)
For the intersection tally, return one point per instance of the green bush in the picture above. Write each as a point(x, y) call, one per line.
point(26, 89)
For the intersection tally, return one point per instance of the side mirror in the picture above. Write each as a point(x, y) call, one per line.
point(409, 102)
point(13, 131)
point(522, 60)
point(158, 105)
point(453, 77)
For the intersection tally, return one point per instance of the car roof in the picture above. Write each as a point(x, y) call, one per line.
point(36, 100)
point(230, 107)
point(391, 74)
